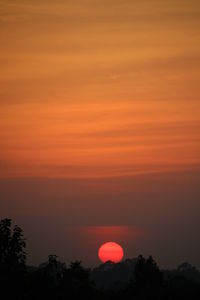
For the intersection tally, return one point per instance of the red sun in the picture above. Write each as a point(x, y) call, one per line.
point(111, 251)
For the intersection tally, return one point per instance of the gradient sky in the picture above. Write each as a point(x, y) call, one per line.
point(100, 126)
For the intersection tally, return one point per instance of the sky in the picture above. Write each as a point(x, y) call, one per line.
point(100, 126)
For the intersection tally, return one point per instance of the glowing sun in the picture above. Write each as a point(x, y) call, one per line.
point(110, 251)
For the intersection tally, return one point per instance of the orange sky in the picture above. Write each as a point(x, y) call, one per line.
point(99, 88)
point(100, 126)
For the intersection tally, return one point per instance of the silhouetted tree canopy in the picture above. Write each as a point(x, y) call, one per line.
point(12, 247)
point(132, 279)
point(147, 272)
point(148, 277)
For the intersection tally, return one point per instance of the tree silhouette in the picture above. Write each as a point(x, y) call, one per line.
point(77, 281)
point(12, 248)
point(139, 279)
point(148, 277)
point(54, 270)
point(12, 260)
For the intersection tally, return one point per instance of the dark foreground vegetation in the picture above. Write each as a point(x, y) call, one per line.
point(131, 279)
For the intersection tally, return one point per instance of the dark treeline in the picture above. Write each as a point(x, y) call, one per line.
point(138, 278)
